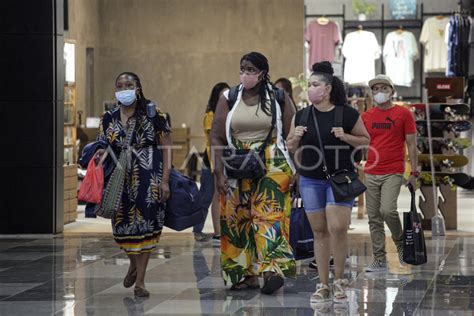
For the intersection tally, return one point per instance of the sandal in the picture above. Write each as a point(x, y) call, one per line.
point(245, 285)
point(339, 289)
point(140, 292)
point(130, 278)
point(322, 294)
point(272, 284)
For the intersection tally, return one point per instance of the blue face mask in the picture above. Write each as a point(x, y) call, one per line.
point(126, 97)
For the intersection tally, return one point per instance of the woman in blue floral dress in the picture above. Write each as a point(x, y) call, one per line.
point(138, 222)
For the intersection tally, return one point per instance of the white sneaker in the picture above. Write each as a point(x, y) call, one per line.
point(376, 266)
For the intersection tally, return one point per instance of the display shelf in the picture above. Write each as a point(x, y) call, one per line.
point(70, 131)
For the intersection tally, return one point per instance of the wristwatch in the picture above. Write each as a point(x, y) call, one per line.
point(416, 174)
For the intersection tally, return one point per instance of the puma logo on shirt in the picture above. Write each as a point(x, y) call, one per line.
point(384, 125)
point(381, 125)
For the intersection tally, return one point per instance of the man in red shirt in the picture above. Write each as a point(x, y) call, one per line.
point(390, 127)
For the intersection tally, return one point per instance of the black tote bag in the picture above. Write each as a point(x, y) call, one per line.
point(414, 247)
point(301, 234)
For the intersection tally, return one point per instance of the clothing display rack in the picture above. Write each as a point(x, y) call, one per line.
point(385, 26)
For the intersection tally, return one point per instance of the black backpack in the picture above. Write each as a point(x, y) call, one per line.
point(338, 121)
point(234, 92)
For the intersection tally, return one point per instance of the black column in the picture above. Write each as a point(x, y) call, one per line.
point(31, 116)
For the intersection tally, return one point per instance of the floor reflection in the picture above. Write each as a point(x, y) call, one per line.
point(82, 275)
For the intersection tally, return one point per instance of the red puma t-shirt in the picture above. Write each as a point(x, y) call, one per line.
point(387, 130)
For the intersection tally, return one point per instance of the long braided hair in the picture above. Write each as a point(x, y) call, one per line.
point(325, 72)
point(261, 63)
point(141, 100)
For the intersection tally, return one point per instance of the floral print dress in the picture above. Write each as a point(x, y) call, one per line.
point(138, 223)
point(255, 221)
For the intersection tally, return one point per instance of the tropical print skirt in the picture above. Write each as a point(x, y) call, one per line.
point(255, 221)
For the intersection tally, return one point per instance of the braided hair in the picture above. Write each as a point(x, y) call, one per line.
point(214, 97)
point(141, 100)
point(261, 63)
point(325, 72)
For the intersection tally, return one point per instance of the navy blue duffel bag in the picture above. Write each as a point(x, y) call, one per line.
point(183, 208)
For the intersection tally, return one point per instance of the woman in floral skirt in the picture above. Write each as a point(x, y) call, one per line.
point(255, 212)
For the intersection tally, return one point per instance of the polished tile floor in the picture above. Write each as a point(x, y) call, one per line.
point(82, 275)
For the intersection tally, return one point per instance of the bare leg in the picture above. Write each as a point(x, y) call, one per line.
point(318, 224)
point(133, 264)
point(131, 276)
point(142, 263)
point(338, 219)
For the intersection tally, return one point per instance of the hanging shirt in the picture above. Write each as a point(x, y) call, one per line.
point(360, 49)
point(433, 38)
point(457, 40)
point(399, 52)
point(322, 40)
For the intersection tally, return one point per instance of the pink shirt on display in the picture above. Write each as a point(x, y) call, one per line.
point(323, 40)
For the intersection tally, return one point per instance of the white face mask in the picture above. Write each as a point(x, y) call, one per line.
point(381, 97)
point(126, 97)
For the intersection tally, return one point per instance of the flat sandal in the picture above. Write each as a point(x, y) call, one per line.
point(140, 292)
point(130, 279)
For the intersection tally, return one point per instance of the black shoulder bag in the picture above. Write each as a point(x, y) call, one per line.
point(345, 184)
point(249, 163)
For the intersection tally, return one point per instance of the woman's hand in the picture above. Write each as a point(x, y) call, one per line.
point(221, 183)
point(300, 130)
point(164, 190)
point(99, 153)
point(339, 133)
point(100, 156)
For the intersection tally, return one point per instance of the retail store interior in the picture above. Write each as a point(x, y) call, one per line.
point(58, 258)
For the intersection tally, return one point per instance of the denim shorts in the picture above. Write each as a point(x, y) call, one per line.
point(317, 194)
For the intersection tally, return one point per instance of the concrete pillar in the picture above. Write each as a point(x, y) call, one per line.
point(31, 116)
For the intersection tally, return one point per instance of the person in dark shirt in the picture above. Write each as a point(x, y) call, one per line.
point(329, 220)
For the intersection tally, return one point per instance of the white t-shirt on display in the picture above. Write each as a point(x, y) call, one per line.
point(360, 49)
point(399, 52)
point(433, 38)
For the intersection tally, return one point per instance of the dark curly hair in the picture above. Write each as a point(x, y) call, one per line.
point(325, 72)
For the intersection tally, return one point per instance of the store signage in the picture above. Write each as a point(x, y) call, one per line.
point(403, 9)
point(443, 87)
point(441, 90)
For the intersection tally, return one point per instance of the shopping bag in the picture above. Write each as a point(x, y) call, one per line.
point(414, 247)
point(93, 184)
point(301, 235)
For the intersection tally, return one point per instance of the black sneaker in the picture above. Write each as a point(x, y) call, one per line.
point(313, 265)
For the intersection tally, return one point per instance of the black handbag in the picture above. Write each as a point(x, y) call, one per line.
point(345, 184)
point(249, 163)
point(414, 246)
